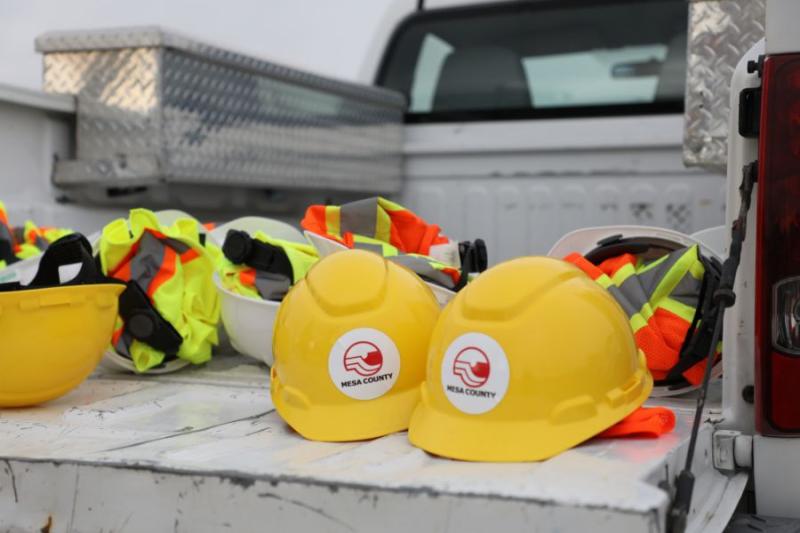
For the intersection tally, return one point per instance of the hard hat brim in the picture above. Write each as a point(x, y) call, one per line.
point(472, 438)
point(249, 322)
point(53, 338)
point(346, 421)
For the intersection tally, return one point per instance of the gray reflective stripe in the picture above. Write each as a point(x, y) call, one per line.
point(424, 269)
point(19, 234)
point(629, 307)
point(180, 247)
point(359, 217)
point(377, 248)
point(41, 243)
point(123, 344)
point(687, 291)
point(652, 277)
point(147, 261)
point(271, 286)
point(634, 292)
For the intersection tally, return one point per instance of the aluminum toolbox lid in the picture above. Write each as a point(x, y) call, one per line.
point(158, 37)
point(720, 33)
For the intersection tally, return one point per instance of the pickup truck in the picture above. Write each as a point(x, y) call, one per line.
point(203, 449)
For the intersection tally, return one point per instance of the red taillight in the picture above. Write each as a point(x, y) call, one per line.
point(778, 250)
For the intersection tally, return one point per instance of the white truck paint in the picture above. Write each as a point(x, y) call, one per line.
point(202, 449)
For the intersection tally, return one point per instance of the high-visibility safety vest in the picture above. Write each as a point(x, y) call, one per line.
point(41, 236)
point(170, 282)
point(424, 266)
point(387, 228)
point(263, 267)
point(377, 218)
point(17, 243)
point(661, 299)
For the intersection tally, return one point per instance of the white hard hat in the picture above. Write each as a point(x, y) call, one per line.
point(249, 321)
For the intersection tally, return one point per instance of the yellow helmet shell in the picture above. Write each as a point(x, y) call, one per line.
point(350, 347)
point(52, 339)
point(530, 359)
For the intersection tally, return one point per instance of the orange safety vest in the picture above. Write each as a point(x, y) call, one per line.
point(648, 422)
point(389, 229)
point(661, 299)
point(377, 218)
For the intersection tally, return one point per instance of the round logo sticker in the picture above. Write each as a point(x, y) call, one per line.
point(364, 363)
point(474, 373)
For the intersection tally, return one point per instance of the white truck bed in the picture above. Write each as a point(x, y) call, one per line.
point(204, 450)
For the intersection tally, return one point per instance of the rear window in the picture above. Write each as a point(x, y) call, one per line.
point(546, 59)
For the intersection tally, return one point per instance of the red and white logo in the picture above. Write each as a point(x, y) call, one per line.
point(472, 366)
point(364, 363)
point(475, 373)
point(364, 358)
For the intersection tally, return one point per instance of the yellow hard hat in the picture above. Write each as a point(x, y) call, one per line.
point(350, 345)
point(54, 330)
point(527, 361)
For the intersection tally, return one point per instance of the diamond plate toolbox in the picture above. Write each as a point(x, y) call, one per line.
point(156, 107)
point(720, 32)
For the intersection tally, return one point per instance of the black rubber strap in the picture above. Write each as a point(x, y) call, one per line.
point(7, 252)
point(68, 250)
point(724, 297)
point(241, 249)
point(144, 323)
point(474, 258)
point(699, 336)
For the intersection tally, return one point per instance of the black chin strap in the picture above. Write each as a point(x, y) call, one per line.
point(144, 323)
point(241, 249)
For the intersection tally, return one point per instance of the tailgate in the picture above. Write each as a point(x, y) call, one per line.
point(204, 449)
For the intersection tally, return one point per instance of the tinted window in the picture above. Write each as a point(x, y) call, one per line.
point(547, 59)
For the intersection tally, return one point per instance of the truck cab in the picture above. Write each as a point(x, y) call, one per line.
point(526, 120)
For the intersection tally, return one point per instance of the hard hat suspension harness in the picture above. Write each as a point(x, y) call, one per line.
point(72, 249)
point(699, 338)
point(241, 249)
point(274, 272)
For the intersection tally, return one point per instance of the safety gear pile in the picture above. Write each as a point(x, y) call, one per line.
point(170, 309)
point(20, 243)
point(55, 329)
point(529, 360)
point(351, 340)
point(389, 229)
point(665, 289)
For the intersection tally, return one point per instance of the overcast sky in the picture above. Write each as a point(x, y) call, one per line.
point(330, 37)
